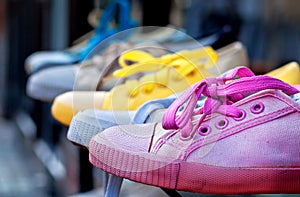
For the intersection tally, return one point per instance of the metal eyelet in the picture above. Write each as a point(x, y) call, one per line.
point(257, 108)
point(241, 117)
point(204, 130)
point(221, 124)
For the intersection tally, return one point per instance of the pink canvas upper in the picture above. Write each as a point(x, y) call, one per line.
point(247, 122)
point(245, 139)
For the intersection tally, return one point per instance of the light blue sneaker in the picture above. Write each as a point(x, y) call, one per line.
point(44, 59)
point(88, 123)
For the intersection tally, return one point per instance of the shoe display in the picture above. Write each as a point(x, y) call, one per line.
point(245, 139)
point(48, 83)
point(43, 59)
point(173, 77)
point(87, 123)
point(155, 98)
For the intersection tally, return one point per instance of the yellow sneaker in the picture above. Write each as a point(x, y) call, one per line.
point(289, 73)
point(174, 73)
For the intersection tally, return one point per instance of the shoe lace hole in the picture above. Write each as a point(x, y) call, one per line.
point(204, 130)
point(257, 108)
point(241, 116)
point(221, 124)
point(181, 108)
point(192, 73)
point(130, 62)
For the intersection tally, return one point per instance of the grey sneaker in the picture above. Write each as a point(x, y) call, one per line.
point(48, 83)
point(88, 123)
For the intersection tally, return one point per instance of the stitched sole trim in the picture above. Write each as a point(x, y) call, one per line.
point(194, 177)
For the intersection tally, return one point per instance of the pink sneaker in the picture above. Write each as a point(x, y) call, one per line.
point(245, 139)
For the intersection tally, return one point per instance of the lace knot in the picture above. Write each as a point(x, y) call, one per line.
point(213, 87)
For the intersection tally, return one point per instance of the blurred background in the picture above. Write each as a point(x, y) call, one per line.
point(35, 157)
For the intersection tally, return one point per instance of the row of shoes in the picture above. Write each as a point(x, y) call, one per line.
point(221, 135)
point(176, 114)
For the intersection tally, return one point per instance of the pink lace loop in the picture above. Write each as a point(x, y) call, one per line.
point(240, 71)
point(169, 119)
point(220, 97)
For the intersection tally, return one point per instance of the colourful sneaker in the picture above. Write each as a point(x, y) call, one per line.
point(244, 140)
point(173, 76)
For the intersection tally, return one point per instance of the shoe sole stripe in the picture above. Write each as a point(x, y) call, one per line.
point(195, 177)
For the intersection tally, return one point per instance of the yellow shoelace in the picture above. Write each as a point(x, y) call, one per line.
point(184, 62)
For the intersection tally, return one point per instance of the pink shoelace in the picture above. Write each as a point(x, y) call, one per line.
point(220, 97)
